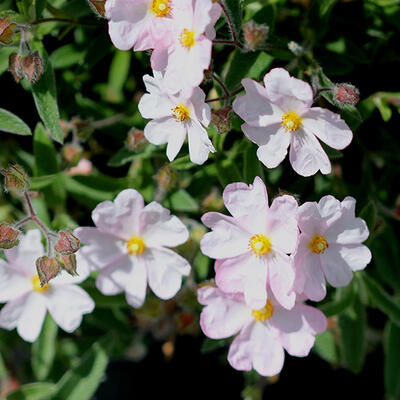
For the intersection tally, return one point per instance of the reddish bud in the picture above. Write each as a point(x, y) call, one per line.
point(67, 244)
point(6, 30)
point(135, 140)
point(68, 263)
point(222, 119)
point(345, 93)
point(166, 178)
point(47, 268)
point(98, 6)
point(72, 153)
point(8, 236)
point(254, 34)
point(16, 178)
point(29, 67)
point(15, 66)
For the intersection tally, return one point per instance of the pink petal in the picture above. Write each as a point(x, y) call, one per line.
point(274, 151)
point(12, 311)
point(336, 270)
point(357, 257)
point(13, 284)
point(201, 109)
point(199, 143)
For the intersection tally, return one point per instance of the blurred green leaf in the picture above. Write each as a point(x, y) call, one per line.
point(369, 214)
point(45, 96)
point(392, 359)
point(9, 122)
point(118, 75)
point(252, 166)
point(352, 323)
point(234, 9)
point(210, 345)
point(33, 391)
point(40, 182)
point(45, 153)
point(344, 298)
point(44, 349)
point(181, 200)
point(82, 381)
point(326, 347)
point(66, 56)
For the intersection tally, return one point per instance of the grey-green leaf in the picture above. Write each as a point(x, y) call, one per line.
point(392, 360)
point(33, 391)
point(9, 122)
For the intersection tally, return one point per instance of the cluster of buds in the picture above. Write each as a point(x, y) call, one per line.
point(29, 66)
point(222, 119)
point(7, 30)
point(254, 34)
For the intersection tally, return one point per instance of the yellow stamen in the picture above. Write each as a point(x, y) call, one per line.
point(291, 121)
point(37, 287)
point(161, 8)
point(264, 313)
point(259, 244)
point(181, 112)
point(135, 245)
point(187, 38)
point(318, 244)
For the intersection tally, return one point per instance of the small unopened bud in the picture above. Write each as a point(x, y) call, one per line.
point(16, 178)
point(222, 119)
point(84, 167)
point(254, 34)
point(15, 66)
point(98, 7)
point(82, 128)
point(32, 66)
point(135, 140)
point(166, 178)
point(7, 29)
point(47, 268)
point(68, 263)
point(295, 48)
point(71, 153)
point(8, 236)
point(67, 244)
point(345, 93)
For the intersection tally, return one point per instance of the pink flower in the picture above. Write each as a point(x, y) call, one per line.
point(252, 246)
point(130, 245)
point(261, 334)
point(174, 118)
point(329, 246)
point(280, 115)
point(190, 52)
point(28, 302)
point(144, 24)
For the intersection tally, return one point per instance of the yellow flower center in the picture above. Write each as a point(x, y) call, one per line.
point(187, 38)
point(161, 8)
point(181, 112)
point(135, 245)
point(291, 121)
point(263, 313)
point(318, 244)
point(259, 244)
point(37, 287)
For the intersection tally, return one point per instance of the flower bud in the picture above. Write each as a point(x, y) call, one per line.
point(47, 268)
point(222, 119)
point(8, 236)
point(98, 7)
point(68, 263)
point(16, 178)
point(254, 34)
point(135, 140)
point(67, 244)
point(32, 67)
point(15, 66)
point(7, 29)
point(345, 93)
point(166, 178)
point(71, 153)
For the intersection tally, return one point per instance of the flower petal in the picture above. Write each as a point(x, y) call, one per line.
point(356, 256)
point(199, 143)
point(13, 284)
point(336, 270)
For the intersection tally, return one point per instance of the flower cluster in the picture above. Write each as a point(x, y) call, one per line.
point(269, 259)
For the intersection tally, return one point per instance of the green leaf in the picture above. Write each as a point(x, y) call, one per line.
point(210, 345)
point(181, 200)
point(228, 172)
point(45, 96)
point(40, 182)
point(352, 323)
point(66, 56)
point(82, 381)
point(182, 163)
point(125, 156)
point(369, 214)
point(252, 166)
point(119, 71)
point(382, 300)
point(318, 17)
point(33, 391)
point(3, 368)
point(344, 298)
point(234, 9)
point(44, 349)
point(45, 153)
point(392, 359)
point(326, 347)
point(9, 122)
point(40, 6)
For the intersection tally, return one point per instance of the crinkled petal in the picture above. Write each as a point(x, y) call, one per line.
point(336, 270)
point(67, 304)
point(199, 143)
point(201, 109)
point(165, 269)
point(356, 256)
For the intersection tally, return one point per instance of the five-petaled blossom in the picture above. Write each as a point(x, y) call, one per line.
point(252, 247)
point(130, 245)
point(329, 246)
point(262, 334)
point(28, 302)
point(280, 115)
point(173, 117)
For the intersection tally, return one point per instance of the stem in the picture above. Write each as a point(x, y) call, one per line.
point(222, 85)
point(231, 26)
point(234, 93)
point(22, 222)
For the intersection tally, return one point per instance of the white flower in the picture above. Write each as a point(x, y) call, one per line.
point(28, 302)
point(173, 117)
point(131, 246)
